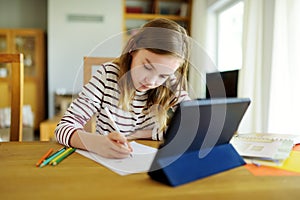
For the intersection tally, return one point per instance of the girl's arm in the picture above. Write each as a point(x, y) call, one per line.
point(82, 108)
point(141, 134)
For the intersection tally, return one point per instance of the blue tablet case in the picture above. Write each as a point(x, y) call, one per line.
point(190, 167)
point(197, 141)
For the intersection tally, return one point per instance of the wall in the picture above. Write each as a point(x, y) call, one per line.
point(199, 34)
point(85, 34)
point(23, 14)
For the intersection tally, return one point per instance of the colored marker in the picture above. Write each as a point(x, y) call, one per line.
point(44, 157)
point(53, 156)
point(61, 157)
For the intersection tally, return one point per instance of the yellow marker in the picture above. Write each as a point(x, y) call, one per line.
point(49, 159)
point(66, 152)
point(64, 156)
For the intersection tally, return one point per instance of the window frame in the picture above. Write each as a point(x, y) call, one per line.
point(215, 8)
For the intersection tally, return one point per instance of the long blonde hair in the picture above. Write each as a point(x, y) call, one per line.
point(159, 36)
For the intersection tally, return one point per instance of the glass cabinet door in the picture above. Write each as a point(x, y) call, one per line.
point(26, 44)
point(31, 43)
point(3, 43)
point(4, 48)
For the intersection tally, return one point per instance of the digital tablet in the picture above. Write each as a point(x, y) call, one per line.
point(199, 124)
point(197, 140)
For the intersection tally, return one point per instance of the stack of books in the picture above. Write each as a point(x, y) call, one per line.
point(265, 149)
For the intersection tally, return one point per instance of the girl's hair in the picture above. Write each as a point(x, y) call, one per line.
point(159, 36)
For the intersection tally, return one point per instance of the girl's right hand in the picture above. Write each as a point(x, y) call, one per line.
point(114, 145)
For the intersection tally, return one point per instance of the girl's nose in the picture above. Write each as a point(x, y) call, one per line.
point(150, 80)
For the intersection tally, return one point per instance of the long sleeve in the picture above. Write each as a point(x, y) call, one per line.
point(103, 91)
point(82, 108)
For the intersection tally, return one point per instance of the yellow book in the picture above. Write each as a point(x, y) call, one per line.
point(292, 163)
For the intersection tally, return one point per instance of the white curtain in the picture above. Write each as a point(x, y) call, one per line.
point(271, 64)
point(284, 110)
point(250, 76)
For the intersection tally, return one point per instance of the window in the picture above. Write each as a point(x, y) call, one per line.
point(229, 36)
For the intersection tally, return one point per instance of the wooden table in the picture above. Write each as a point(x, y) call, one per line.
point(80, 178)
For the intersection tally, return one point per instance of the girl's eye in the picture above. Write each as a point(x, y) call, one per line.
point(164, 76)
point(147, 68)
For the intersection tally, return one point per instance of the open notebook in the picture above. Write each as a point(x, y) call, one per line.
point(265, 149)
point(140, 161)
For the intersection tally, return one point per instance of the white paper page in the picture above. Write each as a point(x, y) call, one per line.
point(141, 160)
point(275, 136)
point(267, 149)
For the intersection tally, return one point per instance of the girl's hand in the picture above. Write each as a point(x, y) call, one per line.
point(113, 145)
point(119, 140)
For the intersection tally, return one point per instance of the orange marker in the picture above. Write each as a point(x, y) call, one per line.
point(44, 157)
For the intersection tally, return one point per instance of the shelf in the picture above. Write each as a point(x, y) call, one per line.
point(4, 79)
point(137, 12)
point(153, 16)
point(29, 79)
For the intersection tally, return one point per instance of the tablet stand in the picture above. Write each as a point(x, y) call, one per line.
point(189, 167)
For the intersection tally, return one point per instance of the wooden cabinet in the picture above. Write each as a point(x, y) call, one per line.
point(30, 42)
point(138, 12)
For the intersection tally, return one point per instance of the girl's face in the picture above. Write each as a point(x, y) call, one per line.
point(150, 70)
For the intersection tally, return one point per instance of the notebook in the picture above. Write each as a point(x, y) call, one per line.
point(265, 149)
point(268, 136)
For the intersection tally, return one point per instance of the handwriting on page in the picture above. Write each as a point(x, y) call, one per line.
point(140, 161)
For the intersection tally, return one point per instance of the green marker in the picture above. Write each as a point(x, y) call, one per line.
point(53, 156)
point(63, 156)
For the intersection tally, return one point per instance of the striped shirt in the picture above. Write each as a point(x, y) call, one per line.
point(100, 92)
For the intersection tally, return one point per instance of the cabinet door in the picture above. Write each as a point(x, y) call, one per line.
point(5, 94)
point(30, 42)
point(5, 41)
point(5, 47)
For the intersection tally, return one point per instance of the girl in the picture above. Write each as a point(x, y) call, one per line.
point(138, 89)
